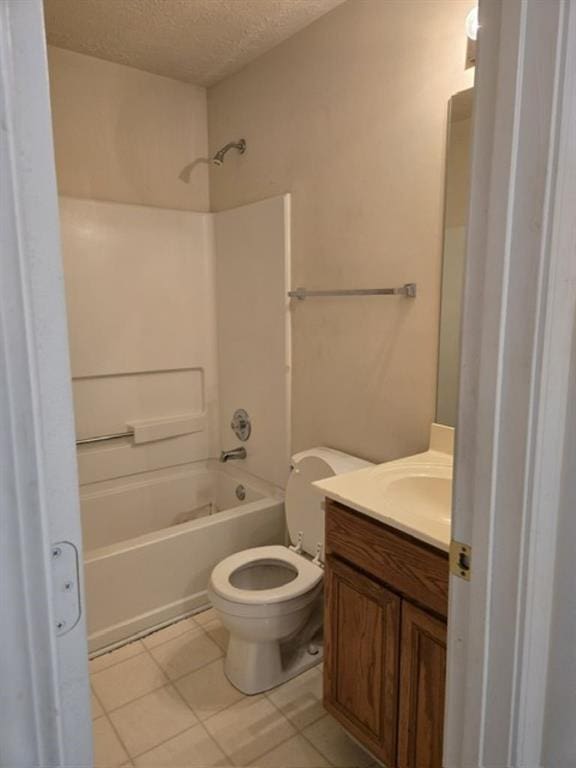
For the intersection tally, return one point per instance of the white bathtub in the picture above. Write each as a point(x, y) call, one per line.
point(148, 565)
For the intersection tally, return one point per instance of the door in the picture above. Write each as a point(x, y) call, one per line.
point(422, 685)
point(516, 384)
point(362, 622)
point(44, 701)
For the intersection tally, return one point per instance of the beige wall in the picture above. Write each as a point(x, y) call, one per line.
point(124, 135)
point(349, 116)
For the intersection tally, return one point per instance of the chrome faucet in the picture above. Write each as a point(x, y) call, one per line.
point(234, 455)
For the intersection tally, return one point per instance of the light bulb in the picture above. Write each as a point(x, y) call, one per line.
point(472, 24)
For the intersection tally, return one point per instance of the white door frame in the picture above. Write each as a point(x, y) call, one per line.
point(519, 311)
point(44, 692)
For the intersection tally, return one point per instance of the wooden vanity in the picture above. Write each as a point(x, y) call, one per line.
point(386, 604)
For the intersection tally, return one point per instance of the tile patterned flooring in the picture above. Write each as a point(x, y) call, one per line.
point(164, 702)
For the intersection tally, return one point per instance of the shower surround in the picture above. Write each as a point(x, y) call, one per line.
point(176, 319)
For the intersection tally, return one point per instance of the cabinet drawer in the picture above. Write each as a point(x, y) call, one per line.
point(414, 569)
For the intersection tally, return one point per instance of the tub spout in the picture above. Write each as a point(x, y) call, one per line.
point(234, 455)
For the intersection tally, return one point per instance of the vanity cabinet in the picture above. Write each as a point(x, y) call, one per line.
point(422, 684)
point(386, 603)
point(361, 678)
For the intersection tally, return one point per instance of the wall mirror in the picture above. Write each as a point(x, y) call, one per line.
point(456, 203)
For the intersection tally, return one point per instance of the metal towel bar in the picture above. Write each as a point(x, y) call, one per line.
point(408, 290)
point(101, 438)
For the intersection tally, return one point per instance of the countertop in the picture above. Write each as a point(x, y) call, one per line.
point(419, 505)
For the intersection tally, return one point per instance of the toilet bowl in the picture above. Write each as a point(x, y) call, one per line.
point(270, 598)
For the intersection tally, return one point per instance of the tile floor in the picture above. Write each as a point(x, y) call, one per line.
point(164, 701)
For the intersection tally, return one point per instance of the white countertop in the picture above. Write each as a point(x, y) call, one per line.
point(412, 494)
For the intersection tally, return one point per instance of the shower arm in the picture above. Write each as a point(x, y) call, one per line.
point(240, 145)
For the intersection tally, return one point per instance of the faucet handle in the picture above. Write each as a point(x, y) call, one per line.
point(241, 425)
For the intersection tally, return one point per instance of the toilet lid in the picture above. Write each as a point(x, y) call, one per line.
point(304, 503)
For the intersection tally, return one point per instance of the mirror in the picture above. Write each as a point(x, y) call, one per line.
point(456, 202)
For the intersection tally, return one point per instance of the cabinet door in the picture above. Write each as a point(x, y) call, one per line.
point(422, 684)
point(362, 625)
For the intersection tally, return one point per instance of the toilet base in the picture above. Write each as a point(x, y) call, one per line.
point(256, 667)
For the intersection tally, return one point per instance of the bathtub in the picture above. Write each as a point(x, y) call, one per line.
point(150, 565)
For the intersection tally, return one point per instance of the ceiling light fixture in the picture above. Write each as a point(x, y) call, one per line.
point(472, 25)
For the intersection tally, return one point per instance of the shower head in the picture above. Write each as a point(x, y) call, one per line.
point(240, 145)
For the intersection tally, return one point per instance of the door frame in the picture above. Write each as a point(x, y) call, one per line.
point(518, 323)
point(44, 697)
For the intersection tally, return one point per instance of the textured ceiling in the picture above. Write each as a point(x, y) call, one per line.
point(200, 41)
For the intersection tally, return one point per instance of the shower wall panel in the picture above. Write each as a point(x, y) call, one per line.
point(252, 246)
point(141, 314)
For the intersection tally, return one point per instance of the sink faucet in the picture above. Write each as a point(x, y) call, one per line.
point(234, 455)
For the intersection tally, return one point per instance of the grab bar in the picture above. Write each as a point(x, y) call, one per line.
point(408, 290)
point(102, 438)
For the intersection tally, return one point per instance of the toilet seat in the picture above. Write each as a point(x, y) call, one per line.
point(308, 575)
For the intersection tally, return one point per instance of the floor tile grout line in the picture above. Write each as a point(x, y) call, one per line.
point(196, 629)
point(199, 630)
point(233, 704)
point(160, 669)
point(165, 741)
point(298, 731)
point(116, 663)
point(173, 736)
point(221, 747)
point(144, 637)
point(181, 697)
point(171, 682)
point(191, 671)
point(131, 701)
point(267, 752)
point(314, 745)
point(111, 724)
point(202, 631)
point(93, 692)
point(215, 742)
point(247, 698)
point(185, 730)
point(327, 714)
point(138, 698)
point(168, 682)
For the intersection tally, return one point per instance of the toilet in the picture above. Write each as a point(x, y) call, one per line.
point(270, 598)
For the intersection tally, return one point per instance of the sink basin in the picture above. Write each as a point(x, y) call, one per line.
point(423, 495)
point(413, 495)
point(416, 491)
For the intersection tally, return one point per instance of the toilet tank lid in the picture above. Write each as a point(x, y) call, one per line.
point(303, 502)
